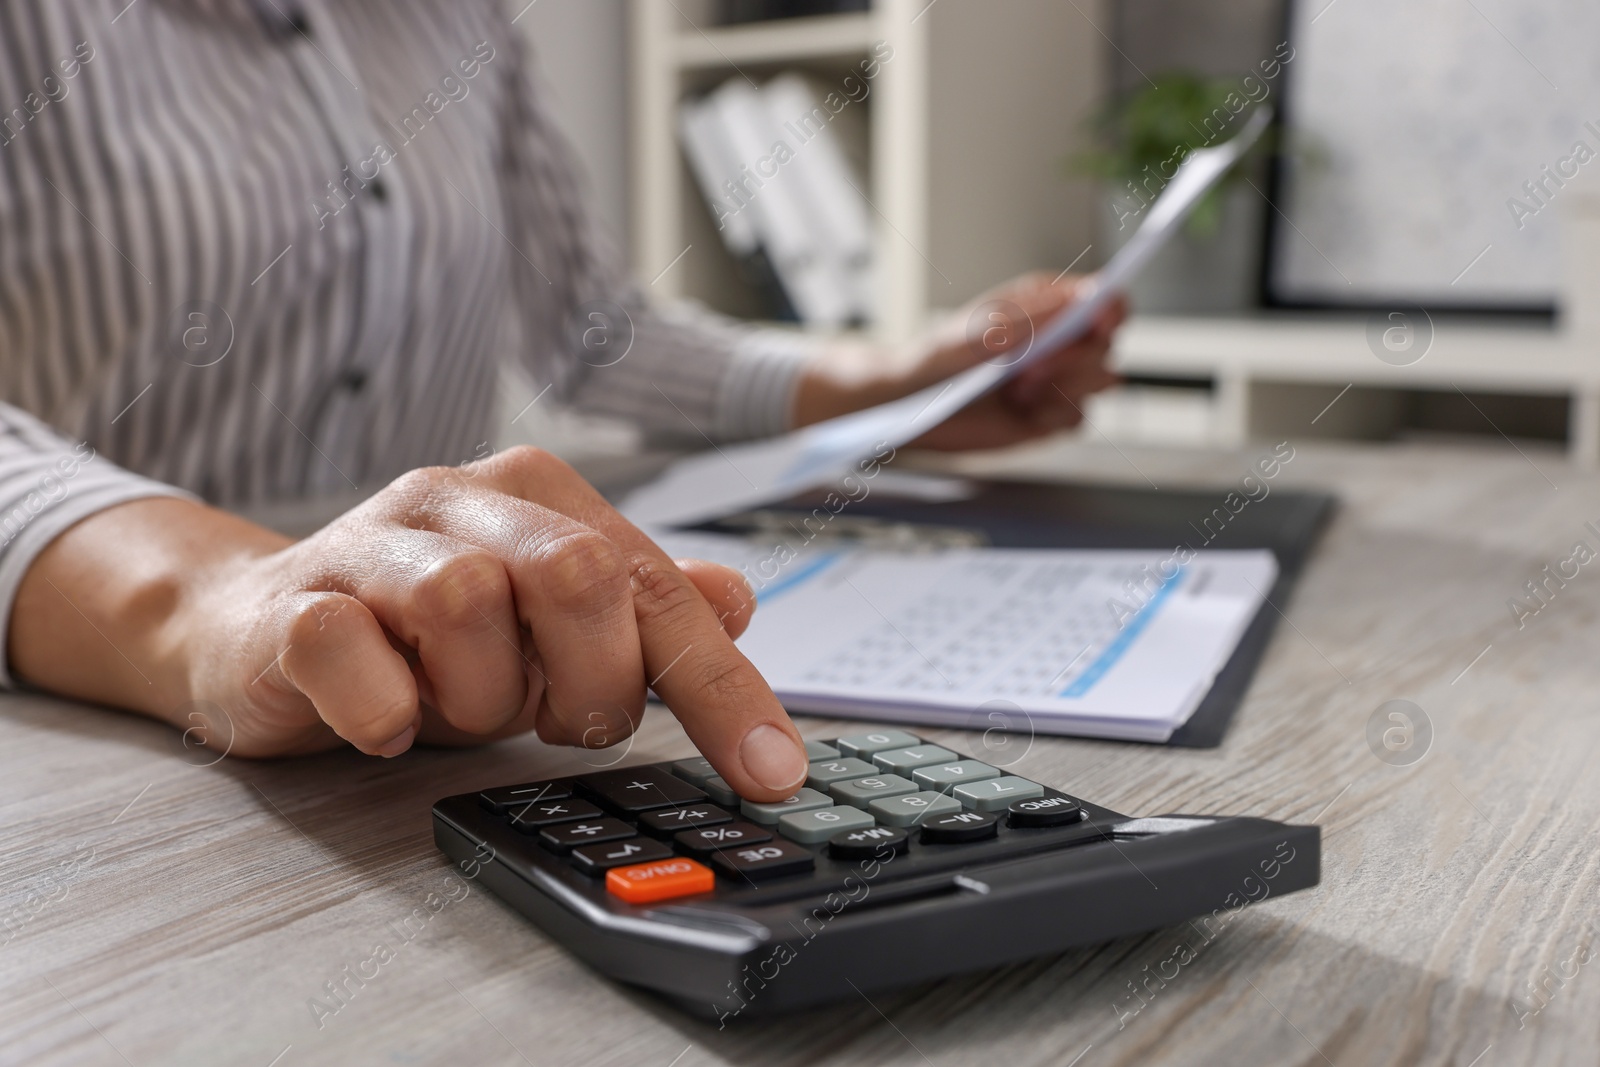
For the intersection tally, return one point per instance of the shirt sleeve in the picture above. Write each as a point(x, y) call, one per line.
point(588, 331)
point(48, 483)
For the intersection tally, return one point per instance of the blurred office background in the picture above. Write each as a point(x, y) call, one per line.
point(981, 139)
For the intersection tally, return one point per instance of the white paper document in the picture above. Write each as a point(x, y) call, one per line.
point(730, 478)
point(1097, 643)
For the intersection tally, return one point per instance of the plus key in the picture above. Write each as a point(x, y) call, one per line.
point(633, 790)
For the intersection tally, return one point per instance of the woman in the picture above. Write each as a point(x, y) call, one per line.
point(251, 250)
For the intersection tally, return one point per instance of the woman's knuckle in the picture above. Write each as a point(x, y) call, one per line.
point(525, 454)
point(660, 590)
point(530, 459)
point(419, 481)
point(463, 589)
point(583, 570)
point(320, 620)
point(376, 719)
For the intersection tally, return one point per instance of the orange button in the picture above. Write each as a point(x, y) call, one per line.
point(646, 883)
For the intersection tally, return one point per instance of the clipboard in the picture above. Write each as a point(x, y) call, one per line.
point(1024, 514)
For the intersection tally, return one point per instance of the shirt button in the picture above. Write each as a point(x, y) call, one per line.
point(378, 191)
point(354, 380)
point(299, 23)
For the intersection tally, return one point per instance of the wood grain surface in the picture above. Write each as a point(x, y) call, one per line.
point(160, 908)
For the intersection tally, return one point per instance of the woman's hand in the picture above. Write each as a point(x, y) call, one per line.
point(457, 605)
point(1042, 399)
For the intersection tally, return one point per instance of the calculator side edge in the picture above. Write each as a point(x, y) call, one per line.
point(1198, 874)
point(661, 956)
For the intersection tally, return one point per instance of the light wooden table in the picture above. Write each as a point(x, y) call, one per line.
point(157, 910)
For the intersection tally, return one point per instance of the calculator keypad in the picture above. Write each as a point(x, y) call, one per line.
point(959, 827)
point(664, 822)
point(648, 883)
point(870, 795)
point(509, 797)
point(944, 777)
point(824, 773)
point(863, 791)
point(906, 760)
point(694, 771)
point(815, 827)
point(1051, 809)
point(996, 794)
point(709, 841)
point(816, 750)
point(771, 860)
point(769, 814)
point(864, 745)
point(597, 859)
point(872, 843)
point(630, 790)
point(563, 837)
point(721, 791)
point(912, 808)
point(531, 818)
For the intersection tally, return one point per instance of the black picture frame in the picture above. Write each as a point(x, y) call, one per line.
point(1269, 294)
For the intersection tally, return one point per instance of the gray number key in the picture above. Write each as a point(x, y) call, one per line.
point(695, 771)
point(863, 791)
point(815, 827)
point(912, 808)
point(721, 791)
point(946, 776)
point(996, 794)
point(769, 814)
point(906, 760)
point(864, 745)
point(816, 750)
point(824, 773)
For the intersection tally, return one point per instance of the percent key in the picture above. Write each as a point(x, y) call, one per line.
point(711, 839)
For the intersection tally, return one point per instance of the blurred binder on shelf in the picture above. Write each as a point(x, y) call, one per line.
point(780, 190)
point(828, 193)
point(715, 166)
point(714, 162)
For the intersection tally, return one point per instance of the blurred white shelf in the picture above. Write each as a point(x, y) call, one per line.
point(778, 41)
point(1014, 81)
point(1494, 357)
point(1275, 374)
point(1152, 415)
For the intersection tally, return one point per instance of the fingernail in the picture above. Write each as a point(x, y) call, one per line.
point(393, 748)
point(771, 757)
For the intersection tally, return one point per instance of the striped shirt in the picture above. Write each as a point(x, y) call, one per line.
point(257, 249)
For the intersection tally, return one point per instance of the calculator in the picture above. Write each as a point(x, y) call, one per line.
point(899, 861)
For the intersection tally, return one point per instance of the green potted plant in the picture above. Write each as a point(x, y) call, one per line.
point(1138, 141)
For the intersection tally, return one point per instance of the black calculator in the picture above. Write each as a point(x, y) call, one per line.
point(899, 861)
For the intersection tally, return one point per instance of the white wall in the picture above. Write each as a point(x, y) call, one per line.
point(581, 52)
point(581, 49)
